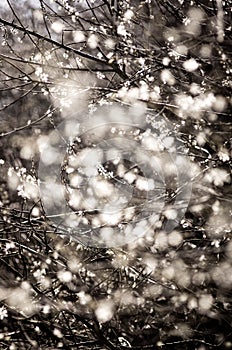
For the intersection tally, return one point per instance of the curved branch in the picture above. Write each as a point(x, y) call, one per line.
point(114, 65)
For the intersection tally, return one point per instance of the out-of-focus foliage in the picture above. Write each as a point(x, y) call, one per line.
point(167, 290)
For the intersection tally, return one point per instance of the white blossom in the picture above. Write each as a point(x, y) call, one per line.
point(64, 276)
point(128, 15)
point(190, 65)
point(205, 302)
point(121, 30)
point(57, 26)
point(3, 312)
point(92, 41)
point(167, 77)
point(104, 311)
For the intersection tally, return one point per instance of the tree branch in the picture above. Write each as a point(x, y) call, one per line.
point(114, 65)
